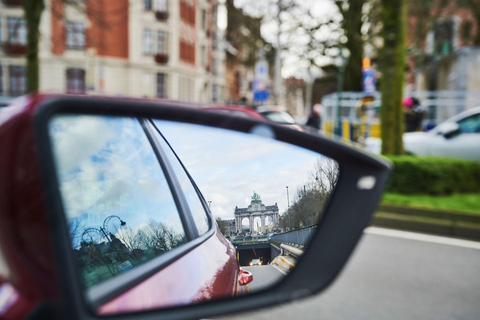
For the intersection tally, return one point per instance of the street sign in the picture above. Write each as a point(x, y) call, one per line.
point(368, 81)
point(260, 82)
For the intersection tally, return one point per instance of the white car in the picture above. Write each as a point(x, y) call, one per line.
point(457, 137)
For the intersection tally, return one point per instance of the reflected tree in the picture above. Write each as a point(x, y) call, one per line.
point(102, 255)
point(310, 200)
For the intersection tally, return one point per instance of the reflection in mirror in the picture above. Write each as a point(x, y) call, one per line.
point(267, 197)
point(135, 216)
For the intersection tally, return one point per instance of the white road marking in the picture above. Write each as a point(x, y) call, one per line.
point(422, 237)
point(279, 269)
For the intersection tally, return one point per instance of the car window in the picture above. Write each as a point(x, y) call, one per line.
point(118, 204)
point(196, 207)
point(281, 117)
point(470, 124)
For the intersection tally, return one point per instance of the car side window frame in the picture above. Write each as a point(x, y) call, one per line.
point(178, 196)
point(199, 194)
point(114, 287)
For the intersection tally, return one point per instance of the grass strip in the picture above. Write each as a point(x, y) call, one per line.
point(469, 203)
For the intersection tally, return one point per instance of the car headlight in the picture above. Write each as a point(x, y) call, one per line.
point(251, 264)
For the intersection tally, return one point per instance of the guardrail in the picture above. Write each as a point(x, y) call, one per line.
point(300, 236)
point(289, 250)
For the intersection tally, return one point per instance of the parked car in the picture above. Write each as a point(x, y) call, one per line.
point(266, 113)
point(457, 137)
point(98, 215)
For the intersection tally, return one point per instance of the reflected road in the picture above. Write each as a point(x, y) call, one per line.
point(263, 276)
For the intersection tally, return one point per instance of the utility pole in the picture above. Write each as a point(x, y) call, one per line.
point(278, 63)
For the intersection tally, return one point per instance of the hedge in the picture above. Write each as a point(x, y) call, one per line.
point(433, 175)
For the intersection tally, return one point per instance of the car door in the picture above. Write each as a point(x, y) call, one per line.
point(137, 221)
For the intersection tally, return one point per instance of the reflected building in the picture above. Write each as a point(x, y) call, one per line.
point(256, 209)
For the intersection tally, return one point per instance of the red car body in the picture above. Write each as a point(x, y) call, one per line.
point(28, 270)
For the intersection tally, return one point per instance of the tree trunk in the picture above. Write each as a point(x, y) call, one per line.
point(33, 13)
point(352, 25)
point(393, 56)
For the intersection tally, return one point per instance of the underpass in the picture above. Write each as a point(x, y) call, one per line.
point(247, 252)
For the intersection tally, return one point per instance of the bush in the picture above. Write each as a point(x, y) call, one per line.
point(433, 175)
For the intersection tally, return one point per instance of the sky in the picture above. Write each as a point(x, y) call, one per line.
point(106, 166)
point(230, 166)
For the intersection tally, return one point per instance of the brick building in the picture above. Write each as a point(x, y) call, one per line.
point(140, 48)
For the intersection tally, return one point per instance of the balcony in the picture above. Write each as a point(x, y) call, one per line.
point(161, 58)
point(16, 48)
point(161, 15)
point(13, 3)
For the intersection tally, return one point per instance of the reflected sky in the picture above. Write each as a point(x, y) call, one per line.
point(229, 166)
point(106, 166)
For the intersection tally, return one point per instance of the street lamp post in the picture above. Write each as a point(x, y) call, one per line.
point(103, 231)
point(288, 211)
point(342, 61)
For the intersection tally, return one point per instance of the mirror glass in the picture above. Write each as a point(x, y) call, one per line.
point(162, 214)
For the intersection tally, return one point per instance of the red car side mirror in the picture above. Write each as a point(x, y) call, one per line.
point(244, 277)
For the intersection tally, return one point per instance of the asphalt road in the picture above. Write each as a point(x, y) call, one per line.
point(263, 277)
point(394, 277)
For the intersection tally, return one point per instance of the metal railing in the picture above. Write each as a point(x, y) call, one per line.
point(301, 236)
point(438, 105)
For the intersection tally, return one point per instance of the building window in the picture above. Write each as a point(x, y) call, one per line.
point(443, 37)
point(203, 57)
point(147, 41)
point(214, 41)
point(161, 85)
point(204, 19)
point(214, 67)
point(147, 4)
point(75, 81)
point(17, 31)
point(17, 80)
point(75, 35)
point(216, 93)
point(161, 42)
point(161, 5)
point(1, 81)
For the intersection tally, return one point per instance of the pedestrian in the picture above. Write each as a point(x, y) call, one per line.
point(414, 114)
point(314, 118)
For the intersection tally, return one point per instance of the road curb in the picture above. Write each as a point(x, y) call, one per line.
point(451, 224)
